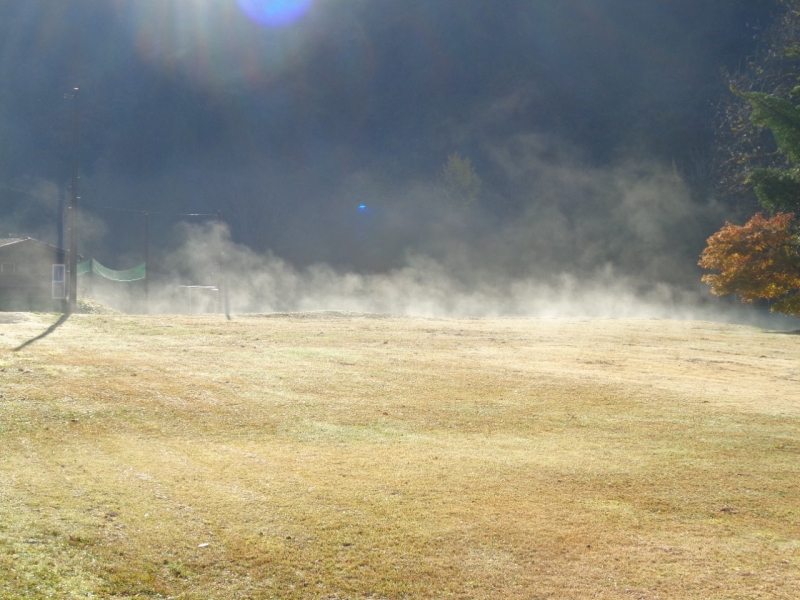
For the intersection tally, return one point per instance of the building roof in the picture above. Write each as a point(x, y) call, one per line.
point(10, 241)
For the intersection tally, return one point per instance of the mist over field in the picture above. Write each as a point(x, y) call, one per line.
point(425, 287)
point(624, 245)
point(321, 139)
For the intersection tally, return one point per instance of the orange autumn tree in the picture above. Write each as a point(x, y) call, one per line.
point(759, 260)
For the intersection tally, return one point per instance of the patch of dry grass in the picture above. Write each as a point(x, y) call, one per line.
point(347, 456)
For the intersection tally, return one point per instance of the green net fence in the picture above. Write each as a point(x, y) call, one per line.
point(92, 266)
point(85, 267)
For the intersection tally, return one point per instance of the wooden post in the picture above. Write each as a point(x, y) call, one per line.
point(146, 263)
point(222, 285)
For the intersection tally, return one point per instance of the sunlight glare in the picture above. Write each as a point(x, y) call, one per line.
point(275, 13)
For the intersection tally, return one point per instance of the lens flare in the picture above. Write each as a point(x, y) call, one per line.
point(275, 13)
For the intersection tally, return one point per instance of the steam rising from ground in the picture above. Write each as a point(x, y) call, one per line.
point(424, 287)
point(552, 237)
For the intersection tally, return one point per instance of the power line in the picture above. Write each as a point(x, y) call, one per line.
point(31, 194)
point(130, 210)
point(151, 212)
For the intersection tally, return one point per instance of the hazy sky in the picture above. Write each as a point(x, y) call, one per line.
point(290, 117)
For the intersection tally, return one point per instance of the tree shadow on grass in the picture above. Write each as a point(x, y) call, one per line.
point(44, 334)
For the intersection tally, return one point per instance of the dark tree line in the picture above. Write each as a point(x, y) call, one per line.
point(759, 143)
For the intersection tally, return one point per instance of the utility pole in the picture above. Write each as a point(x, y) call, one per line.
point(73, 211)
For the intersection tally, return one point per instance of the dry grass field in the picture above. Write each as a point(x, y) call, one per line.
point(352, 456)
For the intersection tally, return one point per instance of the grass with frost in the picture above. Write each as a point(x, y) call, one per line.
point(347, 456)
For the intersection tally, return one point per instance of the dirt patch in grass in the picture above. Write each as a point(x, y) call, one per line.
point(334, 455)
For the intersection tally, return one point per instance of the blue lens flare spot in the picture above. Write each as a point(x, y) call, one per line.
point(275, 13)
point(362, 207)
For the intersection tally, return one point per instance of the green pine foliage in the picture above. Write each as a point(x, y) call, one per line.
point(781, 117)
point(778, 190)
